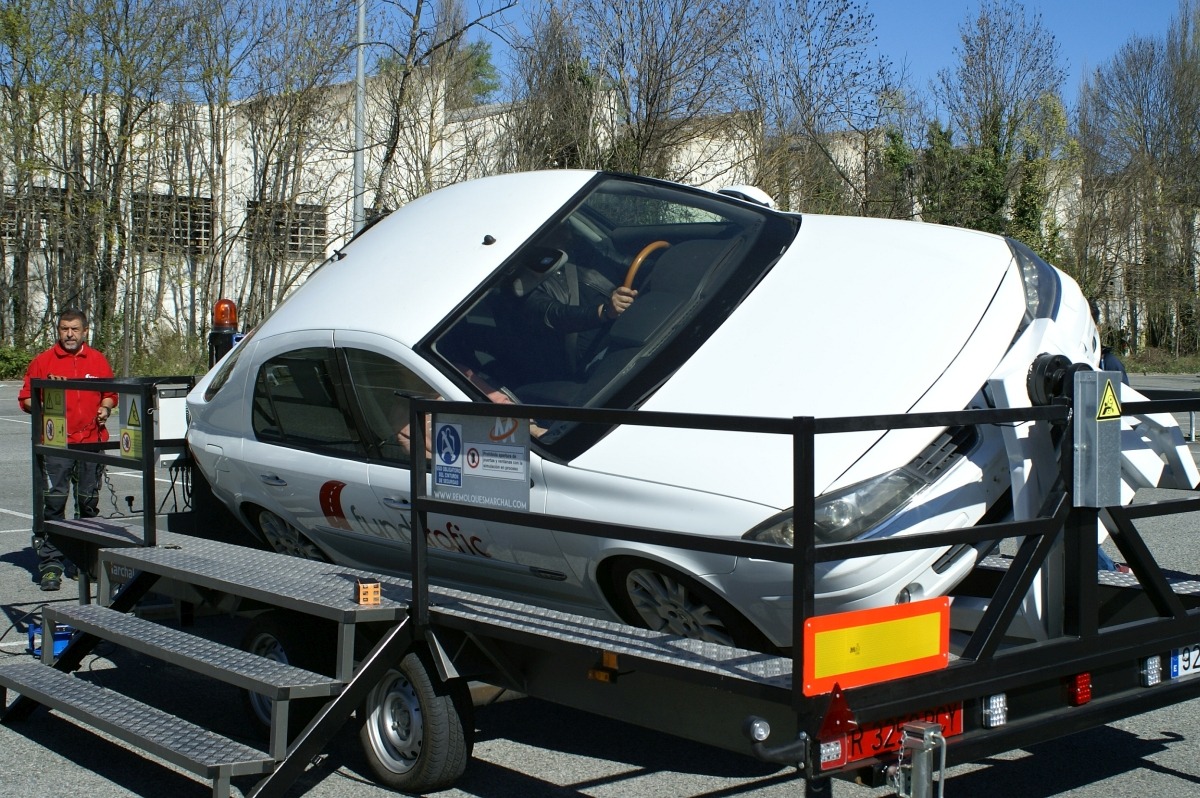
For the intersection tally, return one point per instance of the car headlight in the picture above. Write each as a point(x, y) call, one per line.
point(1042, 285)
point(847, 513)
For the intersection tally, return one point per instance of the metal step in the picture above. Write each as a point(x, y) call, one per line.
point(272, 679)
point(198, 750)
point(98, 532)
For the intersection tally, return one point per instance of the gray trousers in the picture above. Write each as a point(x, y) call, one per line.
point(60, 473)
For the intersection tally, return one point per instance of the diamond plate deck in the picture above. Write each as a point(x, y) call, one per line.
point(327, 591)
point(1181, 584)
point(671, 650)
point(196, 749)
point(316, 588)
point(230, 665)
point(98, 531)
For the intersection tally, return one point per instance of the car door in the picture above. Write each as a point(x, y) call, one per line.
point(499, 558)
point(304, 456)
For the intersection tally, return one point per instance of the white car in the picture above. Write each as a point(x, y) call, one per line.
point(504, 288)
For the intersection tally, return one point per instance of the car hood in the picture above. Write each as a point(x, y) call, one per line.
point(859, 317)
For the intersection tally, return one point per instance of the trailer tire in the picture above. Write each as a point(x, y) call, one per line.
point(653, 596)
point(416, 730)
point(292, 639)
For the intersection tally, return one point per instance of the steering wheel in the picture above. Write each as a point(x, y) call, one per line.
point(641, 256)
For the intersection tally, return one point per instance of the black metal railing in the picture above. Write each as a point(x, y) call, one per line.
point(982, 666)
point(145, 389)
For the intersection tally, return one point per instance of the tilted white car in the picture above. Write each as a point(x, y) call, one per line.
point(504, 287)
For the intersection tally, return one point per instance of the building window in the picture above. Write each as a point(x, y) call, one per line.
point(170, 223)
point(39, 216)
point(287, 228)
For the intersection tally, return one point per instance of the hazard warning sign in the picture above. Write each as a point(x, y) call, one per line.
point(134, 420)
point(1110, 408)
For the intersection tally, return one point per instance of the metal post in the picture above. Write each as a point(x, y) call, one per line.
point(818, 788)
point(149, 441)
point(920, 741)
point(419, 610)
point(360, 104)
point(804, 546)
point(39, 479)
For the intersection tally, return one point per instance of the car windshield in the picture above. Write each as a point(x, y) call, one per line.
point(544, 331)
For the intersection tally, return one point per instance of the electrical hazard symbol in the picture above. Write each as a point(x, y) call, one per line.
point(1110, 408)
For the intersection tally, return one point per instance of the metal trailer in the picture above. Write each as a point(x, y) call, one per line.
point(395, 650)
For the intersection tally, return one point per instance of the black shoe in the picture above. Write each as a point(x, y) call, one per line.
point(51, 580)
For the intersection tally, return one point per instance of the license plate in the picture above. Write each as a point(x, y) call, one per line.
point(883, 737)
point(1185, 661)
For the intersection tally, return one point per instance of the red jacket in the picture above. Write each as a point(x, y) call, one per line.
point(82, 426)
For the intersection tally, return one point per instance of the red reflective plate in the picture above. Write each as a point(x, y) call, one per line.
point(883, 737)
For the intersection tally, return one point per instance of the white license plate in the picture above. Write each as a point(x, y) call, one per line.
point(1185, 661)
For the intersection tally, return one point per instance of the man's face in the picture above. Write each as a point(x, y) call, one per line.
point(71, 333)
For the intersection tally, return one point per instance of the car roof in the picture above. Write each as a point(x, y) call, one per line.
point(441, 246)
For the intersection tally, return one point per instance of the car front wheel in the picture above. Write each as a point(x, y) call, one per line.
point(656, 597)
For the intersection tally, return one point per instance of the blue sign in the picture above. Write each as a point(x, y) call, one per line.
point(449, 444)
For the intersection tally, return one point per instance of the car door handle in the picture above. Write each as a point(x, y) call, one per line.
point(396, 504)
point(272, 479)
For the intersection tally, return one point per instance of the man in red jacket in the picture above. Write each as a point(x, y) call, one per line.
point(86, 414)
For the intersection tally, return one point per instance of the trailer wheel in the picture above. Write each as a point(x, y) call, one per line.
point(293, 640)
point(284, 538)
point(656, 597)
point(416, 730)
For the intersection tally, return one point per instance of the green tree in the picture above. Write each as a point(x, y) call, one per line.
point(1007, 63)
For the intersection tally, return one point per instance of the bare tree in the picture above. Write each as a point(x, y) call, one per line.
point(425, 67)
point(1141, 167)
point(825, 98)
point(557, 99)
point(33, 62)
point(301, 54)
point(665, 68)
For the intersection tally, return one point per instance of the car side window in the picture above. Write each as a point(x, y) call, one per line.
point(382, 388)
point(296, 403)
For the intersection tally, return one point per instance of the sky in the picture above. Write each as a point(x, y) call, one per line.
point(1089, 32)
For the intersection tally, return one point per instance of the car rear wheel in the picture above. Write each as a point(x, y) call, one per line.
point(285, 538)
point(416, 730)
point(656, 597)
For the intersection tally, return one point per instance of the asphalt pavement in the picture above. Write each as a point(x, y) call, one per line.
point(523, 747)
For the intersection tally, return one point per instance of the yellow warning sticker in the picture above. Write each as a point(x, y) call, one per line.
point(55, 431)
point(1110, 408)
point(134, 419)
point(54, 402)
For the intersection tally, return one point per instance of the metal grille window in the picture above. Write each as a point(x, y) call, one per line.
point(39, 215)
point(171, 223)
point(292, 229)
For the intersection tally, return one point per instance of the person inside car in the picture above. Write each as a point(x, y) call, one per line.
point(567, 297)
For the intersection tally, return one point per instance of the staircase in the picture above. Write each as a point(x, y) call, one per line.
point(216, 569)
